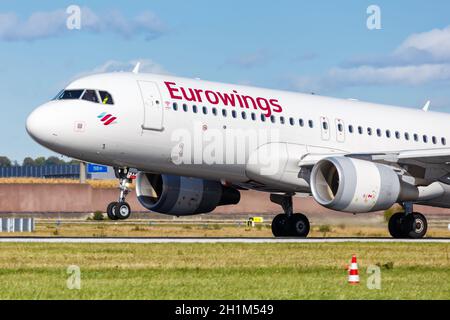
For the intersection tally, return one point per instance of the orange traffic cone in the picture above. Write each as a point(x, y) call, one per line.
point(353, 276)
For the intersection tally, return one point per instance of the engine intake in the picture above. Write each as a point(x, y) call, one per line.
point(354, 185)
point(181, 196)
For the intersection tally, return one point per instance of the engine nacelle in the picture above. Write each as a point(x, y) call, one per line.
point(181, 196)
point(354, 185)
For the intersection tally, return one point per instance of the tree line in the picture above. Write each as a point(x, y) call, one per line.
point(39, 161)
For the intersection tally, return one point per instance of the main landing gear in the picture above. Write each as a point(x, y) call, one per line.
point(121, 209)
point(288, 224)
point(408, 224)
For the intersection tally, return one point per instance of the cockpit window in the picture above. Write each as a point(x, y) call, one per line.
point(90, 95)
point(71, 94)
point(106, 97)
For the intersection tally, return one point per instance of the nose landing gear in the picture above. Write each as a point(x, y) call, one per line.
point(121, 209)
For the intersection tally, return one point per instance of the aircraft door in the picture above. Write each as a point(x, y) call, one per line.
point(340, 130)
point(325, 128)
point(153, 107)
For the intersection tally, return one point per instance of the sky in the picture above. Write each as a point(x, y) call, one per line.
point(317, 46)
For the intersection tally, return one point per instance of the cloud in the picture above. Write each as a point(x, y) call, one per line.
point(422, 58)
point(47, 24)
point(251, 60)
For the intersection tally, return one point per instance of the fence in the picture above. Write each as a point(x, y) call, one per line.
point(46, 171)
point(16, 224)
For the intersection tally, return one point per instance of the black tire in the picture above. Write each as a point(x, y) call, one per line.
point(395, 225)
point(415, 225)
point(280, 225)
point(111, 212)
point(122, 210)
point(299, 225)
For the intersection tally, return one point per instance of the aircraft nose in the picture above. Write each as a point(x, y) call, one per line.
point(40, 125)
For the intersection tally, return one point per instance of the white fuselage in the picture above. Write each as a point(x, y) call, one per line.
point(146, 133)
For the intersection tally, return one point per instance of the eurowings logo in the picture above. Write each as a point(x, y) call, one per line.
point(107, 118)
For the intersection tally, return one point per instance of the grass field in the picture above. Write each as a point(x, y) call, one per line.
point(223, 271)
point(134, 228)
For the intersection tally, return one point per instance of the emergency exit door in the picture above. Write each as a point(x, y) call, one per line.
point(153, 108)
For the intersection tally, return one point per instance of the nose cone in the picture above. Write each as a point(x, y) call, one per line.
point(41, 125)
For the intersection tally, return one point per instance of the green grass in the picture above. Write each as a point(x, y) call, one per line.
point(222, 271)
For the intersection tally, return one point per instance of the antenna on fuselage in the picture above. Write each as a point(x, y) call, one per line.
point(136, 68)
point(426, 106)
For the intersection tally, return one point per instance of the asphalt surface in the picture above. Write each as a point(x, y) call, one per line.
point(214, 240)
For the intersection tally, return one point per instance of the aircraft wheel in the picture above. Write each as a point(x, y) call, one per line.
point(122, 210)
point(110, 211)
point(280, 225)
point(415, 225)
point(299, 225)
point(395, 225)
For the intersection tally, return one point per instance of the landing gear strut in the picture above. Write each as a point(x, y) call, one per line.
point(408, 224)
point(121, 209)
point(288, 224)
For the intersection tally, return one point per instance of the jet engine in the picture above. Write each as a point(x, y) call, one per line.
point(354, 185)
point(181, 196)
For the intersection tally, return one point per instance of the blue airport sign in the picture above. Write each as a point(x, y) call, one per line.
point(96, 168)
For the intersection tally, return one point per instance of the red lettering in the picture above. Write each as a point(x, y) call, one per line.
point(191, 92)
point(227, 98)
point(246, 98)
point(275, 103)
point(208, 94)
point(264, 105)
point(197, 92)
point(172, 90)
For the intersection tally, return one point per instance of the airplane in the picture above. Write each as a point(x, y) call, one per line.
point(192, 145)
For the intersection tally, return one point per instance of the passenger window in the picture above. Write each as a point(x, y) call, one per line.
point(425, 139)
point(369, 131)
point(233, 113)
point(350, 128)
point(397, 134)
point(253, 116)
point(434, 140)
point(325, 125)
point(291, 121)
point(175, 106)
point(360, 130)
point(340, 127)
point(388, 133)
point(106, 97)
point(71, 94)
point(214, 111)
point(90, 95)
point(194, 108)
point(379, 132)
point(416, 137)
point(263, 118)
point(205, 110)
point(301, 123)
point(443, 141)
point(272, 118)
point(244, 115)
point(224, 113)
point(282, 120)
point(185, 108)
point(406, 136)
point(311, 124)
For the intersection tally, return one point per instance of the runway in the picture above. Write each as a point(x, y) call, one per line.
point(215, 240)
